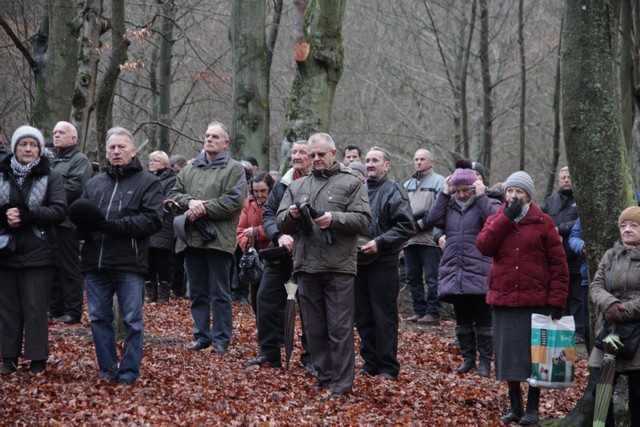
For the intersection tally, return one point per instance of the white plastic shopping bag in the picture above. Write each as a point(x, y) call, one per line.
point(553, 351)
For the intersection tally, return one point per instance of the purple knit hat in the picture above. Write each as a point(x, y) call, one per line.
point(463, 175)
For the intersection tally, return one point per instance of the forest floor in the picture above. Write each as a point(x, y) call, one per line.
point(179, 387)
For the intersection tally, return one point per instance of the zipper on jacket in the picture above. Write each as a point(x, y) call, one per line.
point(113, 193)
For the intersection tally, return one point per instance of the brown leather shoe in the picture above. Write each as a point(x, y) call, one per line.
point(429, 319)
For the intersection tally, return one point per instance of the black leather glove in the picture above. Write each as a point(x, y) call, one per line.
point(109, 227)
point(555, 312)
point(513, 209)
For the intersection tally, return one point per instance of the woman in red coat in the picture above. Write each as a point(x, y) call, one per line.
point(249, 233)
point(528, 275)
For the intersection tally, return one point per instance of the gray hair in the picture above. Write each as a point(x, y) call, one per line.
point(117, 130)
point(385, 153)
point(162, 156)
point(428, 153)
point(222, 126)
point(563, 169)
point(322, 137)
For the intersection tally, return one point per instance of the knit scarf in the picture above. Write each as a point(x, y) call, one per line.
point(21, 171)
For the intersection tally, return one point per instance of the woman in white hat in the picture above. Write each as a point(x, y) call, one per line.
point(32, 201)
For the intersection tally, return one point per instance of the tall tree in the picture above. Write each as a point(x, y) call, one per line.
point(319, 59)
point(487, 90)
point(593, 132)
point(523, 81)
point(165, 59)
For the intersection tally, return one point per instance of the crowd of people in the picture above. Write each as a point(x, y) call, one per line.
point(337, 227)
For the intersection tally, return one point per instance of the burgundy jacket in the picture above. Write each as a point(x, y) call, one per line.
point(529, 267)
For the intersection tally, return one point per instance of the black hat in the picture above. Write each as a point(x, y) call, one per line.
point(86, 214)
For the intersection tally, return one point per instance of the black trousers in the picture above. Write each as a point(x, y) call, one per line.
point(574, 302)
point(67, 289)
point(472, 310)
point(271, 299)
point(376, 296)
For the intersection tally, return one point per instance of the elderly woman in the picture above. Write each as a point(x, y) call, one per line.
point(460, 211)
point(249, 232)
point(615, 291)
point(161, 244)
point(32, 201)
point(528, 274)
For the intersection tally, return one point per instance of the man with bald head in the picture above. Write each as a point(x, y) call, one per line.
point(75, 168)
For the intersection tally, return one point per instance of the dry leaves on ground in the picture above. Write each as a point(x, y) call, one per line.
point(178, 387)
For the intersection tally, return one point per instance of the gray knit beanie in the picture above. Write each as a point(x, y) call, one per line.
point(521, 180)
point(26, 132)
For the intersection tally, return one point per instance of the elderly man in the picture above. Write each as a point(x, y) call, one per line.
point(213, 190)
point(377, 283)
point(114, 255)
point(561, 207)
point(272, 296)
point(325, 212)
point(350, 154)
point(422, 254)
point(75, 168)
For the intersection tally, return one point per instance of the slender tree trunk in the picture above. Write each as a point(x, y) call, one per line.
point(84, 93)
point(319, 61)
point(464, 109)
point(250, 127)
point(523, 81)
point(487, 97)
point(106, 90)
point(593, 134)
point(555, 152)
point(165, 60)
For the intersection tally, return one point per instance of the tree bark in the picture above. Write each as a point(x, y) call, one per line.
point(555, 152)
point(593, 133)
point(317, 76)
point(250, 127)
point(523, 81)
point(487, 96)
point(165, 60)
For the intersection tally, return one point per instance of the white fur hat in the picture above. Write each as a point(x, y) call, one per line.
point(27, 132)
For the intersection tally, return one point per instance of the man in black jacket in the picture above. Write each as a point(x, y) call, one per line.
point(114, 256)
point(377, 283)
point(272, 295)
point(561, 207)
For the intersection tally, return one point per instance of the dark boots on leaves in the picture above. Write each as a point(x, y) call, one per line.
point(38, 366)
point(467, 338)
point(515, 398)
point(152, 291)
point(484, 340)
point(530, 417)
point(164, 291)
point(9, 365)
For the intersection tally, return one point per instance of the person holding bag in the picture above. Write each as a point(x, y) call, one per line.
point(615, 291)
point(32, 202)
point(250, 233)
point(528, 274)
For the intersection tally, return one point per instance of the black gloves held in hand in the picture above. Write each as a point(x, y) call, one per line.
point(513, 209)
point(555, 312)
point(108, 227)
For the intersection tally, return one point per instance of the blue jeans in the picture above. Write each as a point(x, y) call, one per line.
point(129, 287)
point(210, 288)
point(419, 260)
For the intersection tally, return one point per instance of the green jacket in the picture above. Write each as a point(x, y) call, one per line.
point(76, 170)
point(223, 184)
point(336, 190)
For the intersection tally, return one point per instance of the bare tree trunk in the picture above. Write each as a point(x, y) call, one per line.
point(487, 100)
point(56, 53)
point(319, 61)
point(250, 127)
point(84, 93)
point(555, 152)
point(463, 85)
point(165, 60)
point(106, 91)
point(593, 134)
point(523, 81)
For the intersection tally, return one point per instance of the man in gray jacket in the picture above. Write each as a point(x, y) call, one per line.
point(75, 168)
point(325, 212)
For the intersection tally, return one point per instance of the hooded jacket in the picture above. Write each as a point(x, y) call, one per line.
point(336, 190)
point(463, 269)
point(35, 238)
point(222, 183)
point(132, 199)
point(529, 267)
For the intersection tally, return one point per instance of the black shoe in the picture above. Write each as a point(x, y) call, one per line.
point(309, 368)
point(320, 386)
point(363, 371)
point(124, 382)
point(219, 349)
point(197, 346)
point(68, 319)
point(38, 366)
point(9, 366)
point(263, 360)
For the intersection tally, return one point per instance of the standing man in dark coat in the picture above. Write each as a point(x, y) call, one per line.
point(561, 207)
point(114, 255)
point(325, 212)
point(67, 290)
point(377, 283)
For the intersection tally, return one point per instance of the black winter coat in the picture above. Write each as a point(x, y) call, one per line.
point(132, 198)
point(35, 238)
point(164, 239)
point(561, 207)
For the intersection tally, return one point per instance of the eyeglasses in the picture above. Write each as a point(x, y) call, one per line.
point(318, 154)
point(153, 161)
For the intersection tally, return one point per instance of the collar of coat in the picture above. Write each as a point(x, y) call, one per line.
point(66, 152)
point(329, 172)
point(219, 162)
point(122, 171)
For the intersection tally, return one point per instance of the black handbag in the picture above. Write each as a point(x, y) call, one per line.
point(251, 268)
point(629, 334)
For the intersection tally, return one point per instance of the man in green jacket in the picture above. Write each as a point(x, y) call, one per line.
point(212, 189)
point(325, 212)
